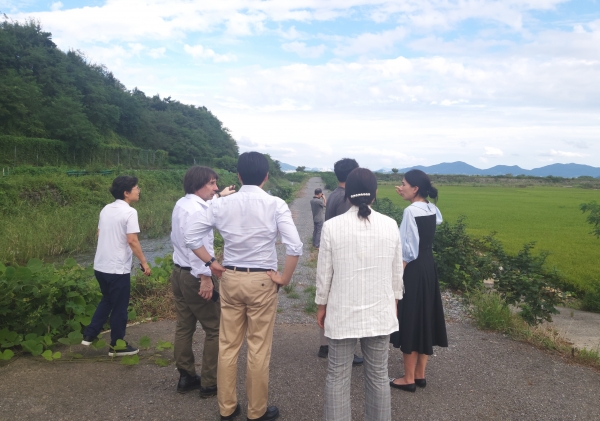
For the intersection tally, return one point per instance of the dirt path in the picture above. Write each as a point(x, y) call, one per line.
point(479, 376)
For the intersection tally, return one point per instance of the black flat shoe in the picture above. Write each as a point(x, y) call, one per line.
point(233, 415)
point(207, 392)
point(187, 382)
point(271, 414)
point(406, 387)
point(421, 382)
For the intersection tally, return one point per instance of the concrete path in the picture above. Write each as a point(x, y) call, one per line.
point(479, 376)
point(582, 328)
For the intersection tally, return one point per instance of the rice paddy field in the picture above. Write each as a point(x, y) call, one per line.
point(550, 216)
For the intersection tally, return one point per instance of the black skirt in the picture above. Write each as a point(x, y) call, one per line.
point(420, 312)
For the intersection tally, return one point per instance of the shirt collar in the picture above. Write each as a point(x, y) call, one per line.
point(422, 205)
point(251, 189)
point(196, 199)
point(121, 202)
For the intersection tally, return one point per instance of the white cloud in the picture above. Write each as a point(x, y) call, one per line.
point(303, 50)
point(198, 51)
point(369, 42)
point(56, 6)
point(554, 152)
point(493, 152)
point(157, 52)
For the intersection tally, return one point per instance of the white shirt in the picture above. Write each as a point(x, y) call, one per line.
point(183, 256)
point(359, 275)
point(249, 222)
point(113, 254)
point(408, 228)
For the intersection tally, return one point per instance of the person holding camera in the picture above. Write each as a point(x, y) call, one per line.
point(194, 295)
point(317, 205)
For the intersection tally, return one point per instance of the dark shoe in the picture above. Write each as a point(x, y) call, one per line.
point(128, 350)
point(323, 351)
point(207, 392)
point(187, 382)
point(357, 360)
point(232, 416)
point(87, 340)
point(421, 382)
point(271, 414)
point(406, 387)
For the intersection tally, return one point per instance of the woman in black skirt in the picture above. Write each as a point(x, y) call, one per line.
point(420, 312)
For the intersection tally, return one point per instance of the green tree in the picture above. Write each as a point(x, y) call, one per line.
point(594, 217)
point(300, 169)
point(395, 170)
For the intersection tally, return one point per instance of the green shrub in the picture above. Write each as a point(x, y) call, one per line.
point(296, 177)
point(591, 299)
point(489, 310)
point(330, 180)
point(387, 207)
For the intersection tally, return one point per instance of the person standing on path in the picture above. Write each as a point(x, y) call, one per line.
point(318, 204)
point(420, 312)
point(192, 286)
point(117, 241)
point(250, 222)
point(338, 205)
point(359, 283)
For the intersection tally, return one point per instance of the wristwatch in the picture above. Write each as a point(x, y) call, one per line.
point(207, 264)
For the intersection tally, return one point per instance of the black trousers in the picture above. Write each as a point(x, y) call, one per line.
point(115, 290)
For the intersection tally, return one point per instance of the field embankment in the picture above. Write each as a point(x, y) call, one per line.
point(550, 216)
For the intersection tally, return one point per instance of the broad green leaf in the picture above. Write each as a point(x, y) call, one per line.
point(162, 345)
point(3, 334)
point(121, 344)
point(47, 355)
point(35, 265)
point(55, 322)
point(99, 344)
point(89, 271)
point(130, 360)
point(70, 262)
point(47, 340)
point(145, 342)
point(90, 309)
point(71, 294)
point(77, 356)
point(162, 362)
point(2, 268)
point(56, 355)
point(33, 347)
point(31, 337)
point(23, 274)
point(10, 272)
point(75, 338)
point(6, 355)
point(131, 315)
point(64, 341)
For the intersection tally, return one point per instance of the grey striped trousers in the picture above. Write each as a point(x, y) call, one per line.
point(377, 383)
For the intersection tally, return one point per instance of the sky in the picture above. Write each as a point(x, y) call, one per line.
point(389, 83)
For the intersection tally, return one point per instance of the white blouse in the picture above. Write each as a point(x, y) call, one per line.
point(359, 275)
point(409, 231)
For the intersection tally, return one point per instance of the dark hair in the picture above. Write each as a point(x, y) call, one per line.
point(344, 167)
point(361, 181)
point(252, 167)
point(418, 178)
point(197, 177)
point(318, 191)
point(122, 184)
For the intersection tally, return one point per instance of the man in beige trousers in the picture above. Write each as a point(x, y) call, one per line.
point(249, 222)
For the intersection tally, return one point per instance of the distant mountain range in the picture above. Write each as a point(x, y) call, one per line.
point(462, 168)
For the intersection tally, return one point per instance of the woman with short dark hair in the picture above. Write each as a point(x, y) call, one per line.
point(420, 312)
point(359, 282)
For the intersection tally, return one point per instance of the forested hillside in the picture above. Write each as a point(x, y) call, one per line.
point(49, 94)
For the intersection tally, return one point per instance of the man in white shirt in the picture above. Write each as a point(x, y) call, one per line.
point(192, 285)
point(249, 222)
point(117, 241)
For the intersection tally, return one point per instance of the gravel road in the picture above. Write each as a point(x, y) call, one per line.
point(480, 375)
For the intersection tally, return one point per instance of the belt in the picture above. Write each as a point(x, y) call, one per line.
point(239, 269)
point(183, 267)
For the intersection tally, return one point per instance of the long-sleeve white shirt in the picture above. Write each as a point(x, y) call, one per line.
point(249, 222)
point(409, 232)
point(185, 208)
point(359, 275)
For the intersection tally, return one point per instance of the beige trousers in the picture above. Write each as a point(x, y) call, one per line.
point(248, 307)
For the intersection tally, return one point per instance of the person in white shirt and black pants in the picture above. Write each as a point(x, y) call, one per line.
point(250, 222)
point(117, 241)
point(359, 283)
point(192, 286)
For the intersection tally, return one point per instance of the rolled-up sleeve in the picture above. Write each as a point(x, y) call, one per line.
point(324, 267)
point(398, 270)
point(409, 234)
point(289, 233)
point(199, 226)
